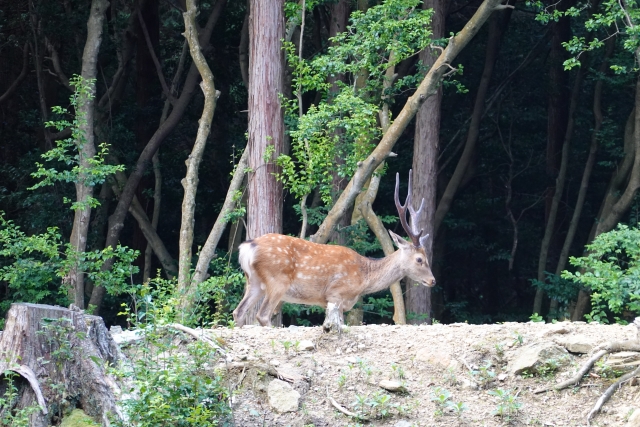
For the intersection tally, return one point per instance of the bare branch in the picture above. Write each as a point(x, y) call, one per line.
point(21, 76)
point(154, 57)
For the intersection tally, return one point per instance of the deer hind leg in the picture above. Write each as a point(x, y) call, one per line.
point(252, 293)
point(271, 301)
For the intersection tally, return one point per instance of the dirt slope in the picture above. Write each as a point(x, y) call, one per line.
point(470, 362)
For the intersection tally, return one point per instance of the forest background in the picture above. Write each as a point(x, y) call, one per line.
point(141, 142)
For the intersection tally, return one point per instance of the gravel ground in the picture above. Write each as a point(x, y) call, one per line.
point(462, 364)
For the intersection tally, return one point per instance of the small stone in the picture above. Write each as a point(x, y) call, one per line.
point(282, 397)
point(361, 346)
point(578, 344)
point(535, 355)
point(403, 423)
point(275, 362)
point(469, 385)
point(352, 360)
point(393, 386)
point(502, 377)
point(433, 357)
point(306, 345)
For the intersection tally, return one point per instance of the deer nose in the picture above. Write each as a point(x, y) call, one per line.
point(431, 283)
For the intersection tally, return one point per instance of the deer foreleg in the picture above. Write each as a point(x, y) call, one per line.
point(334, 318)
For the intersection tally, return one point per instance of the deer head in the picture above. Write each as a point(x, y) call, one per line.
point(413, 255)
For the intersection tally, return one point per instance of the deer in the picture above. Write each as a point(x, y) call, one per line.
point(284, 268)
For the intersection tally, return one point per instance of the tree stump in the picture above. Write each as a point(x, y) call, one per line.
point(60, 355)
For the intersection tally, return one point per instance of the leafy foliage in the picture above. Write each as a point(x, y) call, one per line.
point(33, 267)
point(611, 270)
point(68, 151)
point(179, 388)
point(344, 125)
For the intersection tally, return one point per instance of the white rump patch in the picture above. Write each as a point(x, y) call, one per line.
point(246, 256)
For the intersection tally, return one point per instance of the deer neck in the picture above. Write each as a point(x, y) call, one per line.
point(382, 273)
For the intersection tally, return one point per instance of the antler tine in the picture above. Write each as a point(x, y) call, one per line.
point(402, 210)
point(415, 216)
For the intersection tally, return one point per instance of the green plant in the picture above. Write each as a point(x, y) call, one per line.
point(606, 371)
point(13, 417)
point(548, 369)
point(610, 270)
point(457, 407)
point(179, 388)
point(508, 403)
point(484, 374)
point(342, 379)
point(518, 339)
point(561, 290)
point(536, 318)
point(72, 167)
point(440, 397)
point(398, 371)
point(365, 369)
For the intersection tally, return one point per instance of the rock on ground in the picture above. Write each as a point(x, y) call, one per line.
point(282, 397)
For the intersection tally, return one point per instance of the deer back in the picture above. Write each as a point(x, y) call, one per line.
point(304, 272)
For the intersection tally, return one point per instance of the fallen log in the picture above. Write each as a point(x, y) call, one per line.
point(61, 355)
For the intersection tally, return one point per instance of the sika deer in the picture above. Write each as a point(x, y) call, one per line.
point(283, 268)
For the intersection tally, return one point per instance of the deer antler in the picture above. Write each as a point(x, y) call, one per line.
point(412, 231)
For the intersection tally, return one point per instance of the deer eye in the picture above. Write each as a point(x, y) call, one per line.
point(419, 260)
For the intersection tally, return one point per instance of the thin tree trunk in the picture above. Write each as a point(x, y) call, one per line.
point(86, 146)
point(427, 88)
point(364, 210)
point(559, 188)
point(209, 248)
point(425, 162)
point(157, 170)
point(588, 168)
point(186, 292)
point(157, 201)
point(116, 220)
point(149, 232)
point(37, 59)
point(497, 28)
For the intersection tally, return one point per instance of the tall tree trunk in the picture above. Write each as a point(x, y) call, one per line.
point(427, 88)
point(338, 20)
point(116, 220)
point(425, 165)
point(588, 168)
point(186, 292)
point(497, 27)
point(558, 118)
point(266, 121)
point(86, 146)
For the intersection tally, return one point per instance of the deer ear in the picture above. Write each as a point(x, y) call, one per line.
point(399, 241)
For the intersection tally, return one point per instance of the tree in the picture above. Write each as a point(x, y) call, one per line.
point(425, 164)
point(266, 121)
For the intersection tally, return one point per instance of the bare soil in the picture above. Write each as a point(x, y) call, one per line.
point(470, 362)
